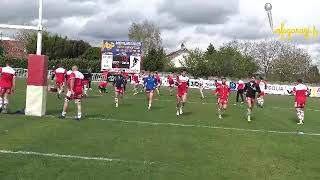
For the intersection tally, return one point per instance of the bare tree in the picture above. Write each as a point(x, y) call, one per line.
point(292, 63)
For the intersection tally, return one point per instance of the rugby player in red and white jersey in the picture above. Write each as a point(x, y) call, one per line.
point(74, 92)
point(171, 83)
point(263, 86)
point(240, 91)
point(158, 78)
point(60, 74)
point(301, 93)
point(135, 82)
point(223, 91)
point(68, 80)
point(7, 85)
point(183, 84)
point(104, 83)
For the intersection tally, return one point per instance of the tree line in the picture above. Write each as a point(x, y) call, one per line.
point(272, 59)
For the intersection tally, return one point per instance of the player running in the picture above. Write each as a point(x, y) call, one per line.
point(240, 89)
point(135, 82)
point(126, 77)
point(142, 77)
point(223, 91)
point(251, 89)
point(158, 78)
point(103, 84)
point(301, 92)
point(60, 74)
point(171, 83)
point(7, 85)
point(150, 84)
point(74, 92)
point(263, 86)
point(183, 84)
point(119, 83)
point(201, 87)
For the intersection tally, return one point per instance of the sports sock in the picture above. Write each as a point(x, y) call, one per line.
point(1, 102)
point(116, 100)
point(5, 103)
point(219, 111)
point(302, 115)
point(299, 114)
point(79, 115)
point(63, 113)
point(249, 112)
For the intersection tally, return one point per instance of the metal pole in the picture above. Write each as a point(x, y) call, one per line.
point(39, 36)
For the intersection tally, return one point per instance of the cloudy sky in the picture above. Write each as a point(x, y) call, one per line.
point(195, 22)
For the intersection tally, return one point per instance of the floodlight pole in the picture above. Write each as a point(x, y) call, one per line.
point(268, 8)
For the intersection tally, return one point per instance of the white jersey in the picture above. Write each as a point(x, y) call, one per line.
point(262, 85)
point(201, 82)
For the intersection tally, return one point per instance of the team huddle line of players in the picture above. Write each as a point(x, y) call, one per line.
point(76, 90)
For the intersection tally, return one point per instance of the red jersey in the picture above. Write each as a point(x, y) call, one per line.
point(223, 90)
point(60, 74)
point(125, 75)
point(135, 78)
point(217, 84)
point(158, 78)
point(103, 84)
point(183, 82)
point(7, 75)
point(240, 85)
point(68, 79)
point(78, 77)
point(105, 75)
point(170, 79)
point(301, 92)
point(262, 84)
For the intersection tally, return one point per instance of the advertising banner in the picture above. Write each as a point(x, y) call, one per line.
point(121, 55)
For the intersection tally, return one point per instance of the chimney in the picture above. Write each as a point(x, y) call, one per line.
point(183, 47)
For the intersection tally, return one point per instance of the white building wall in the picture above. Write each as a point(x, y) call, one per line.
point(180, 58)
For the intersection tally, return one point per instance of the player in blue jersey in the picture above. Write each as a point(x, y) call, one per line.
point(150, 84)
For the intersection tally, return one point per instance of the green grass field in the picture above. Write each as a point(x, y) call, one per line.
point(157, 145)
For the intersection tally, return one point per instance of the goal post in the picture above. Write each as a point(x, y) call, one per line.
point(36, 98)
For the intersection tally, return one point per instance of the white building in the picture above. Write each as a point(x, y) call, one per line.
point(178, 56)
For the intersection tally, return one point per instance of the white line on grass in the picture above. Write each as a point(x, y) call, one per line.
point(208, 127)
point(206, 103)
point(70, 156)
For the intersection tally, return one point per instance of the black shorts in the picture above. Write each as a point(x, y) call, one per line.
point(241, 91)
point(102, 89)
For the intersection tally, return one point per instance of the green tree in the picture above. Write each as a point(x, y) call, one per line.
point(1, 49)
point(313, 75)
point(155, 60)
point(148, 33)
point(210, 50)
point(92, 53)
point(53, 45)
point(196, 63)
point(231, 63)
